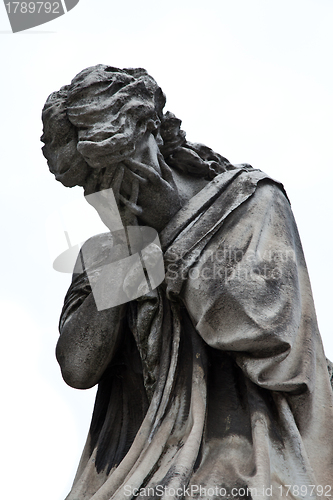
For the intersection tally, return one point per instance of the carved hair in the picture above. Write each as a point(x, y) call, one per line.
point(96, 121)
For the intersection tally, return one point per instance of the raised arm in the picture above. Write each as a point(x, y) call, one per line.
point(88, 337)
point(87, 343)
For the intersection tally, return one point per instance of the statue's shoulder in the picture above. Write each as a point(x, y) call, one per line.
point(245, 177)
point(94, 251)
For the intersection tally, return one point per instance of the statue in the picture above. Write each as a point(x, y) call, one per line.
point(213, 384)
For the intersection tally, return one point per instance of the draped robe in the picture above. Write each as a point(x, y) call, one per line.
point(219, 387)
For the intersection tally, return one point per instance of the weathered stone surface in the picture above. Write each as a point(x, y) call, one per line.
point(214, 384)
point(330, 371)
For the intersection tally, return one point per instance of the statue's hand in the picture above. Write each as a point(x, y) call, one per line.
point(158, 198)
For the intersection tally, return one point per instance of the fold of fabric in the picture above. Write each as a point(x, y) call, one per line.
point(220, 382)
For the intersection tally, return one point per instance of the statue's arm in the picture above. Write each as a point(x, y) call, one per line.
point(252, 295)
point(87, 343)
point(88, 337)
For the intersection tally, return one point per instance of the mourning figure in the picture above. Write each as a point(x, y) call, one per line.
point(213, 384)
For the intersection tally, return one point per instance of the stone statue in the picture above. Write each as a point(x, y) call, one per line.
point(215, 383)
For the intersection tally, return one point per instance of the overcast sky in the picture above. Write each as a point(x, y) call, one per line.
point(252, 79)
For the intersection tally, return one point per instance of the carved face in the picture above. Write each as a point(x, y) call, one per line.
point(60, 139)
point(97, 121)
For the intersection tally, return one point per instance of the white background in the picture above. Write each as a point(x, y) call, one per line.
point(250, 78)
